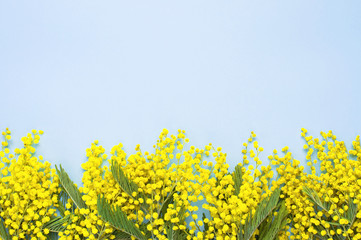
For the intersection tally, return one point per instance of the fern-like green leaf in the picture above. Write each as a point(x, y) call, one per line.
point(70, 188)
point(61, 208)
point(180, 235)
point(117, 218)
point(350, 215)
point(177, 234)
point(57, 224)
point(265, 207)
point(275, 224)
point(121, 235)
point(237, 179)
point(52, 236)
point(351, 211)
point(3, 233)
point(62, 201)
point(169, 230)
point(315, 199)
point(174, 234)
point(143, 228)
point(167, 201)
point(127, 185)
point(206, 225)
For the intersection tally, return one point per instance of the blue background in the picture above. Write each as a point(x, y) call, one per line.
point(121, 71)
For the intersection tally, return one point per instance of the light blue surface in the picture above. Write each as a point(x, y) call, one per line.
point(121, 71)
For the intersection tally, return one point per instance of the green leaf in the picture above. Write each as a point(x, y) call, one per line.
point(70, 188)
point(237, 179)
point(333, 223)
point(350, 215)
point(315, 199)
point(61, 208)
point(121, 235)
point(351, 212)
point(169, 230)
point(180, 235)
point(118, 219)
point(206, 225)
point(275, 224)
point(168, 200)
point(126, 185)
point(57, 224)
point(3, 233)
point(52, 236)
point(143, 228)
point(264, 208)
point(177, 234)
point(62, 201)
point(174, 234)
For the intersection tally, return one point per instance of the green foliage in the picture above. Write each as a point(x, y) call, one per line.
point(320, 203)
point(126, 185)
point(237, 179)
point(62, 201)
point(118, 219)
point(206, 225)
point(155, 191)
point(315, 199)
point(57, 224)
point(52, 236)
point(167, 201)
point(177, 234)
point(174, 234)
point(3, 233)
point(269, 229)
point(263, 210)
point(70, 188)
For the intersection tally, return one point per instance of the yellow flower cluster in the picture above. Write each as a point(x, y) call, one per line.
point(227, 209)
point(85, 223)
point(164, 190)
point(158, 180)
point(29, 189)
point(335, 188)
